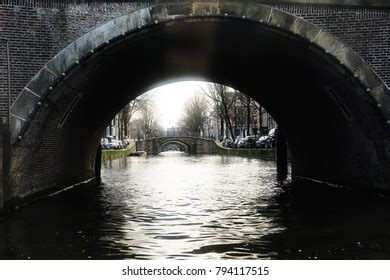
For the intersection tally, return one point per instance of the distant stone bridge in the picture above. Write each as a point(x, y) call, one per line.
point(193, 145)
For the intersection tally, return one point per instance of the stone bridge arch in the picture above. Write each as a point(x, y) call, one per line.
point(332, 107)
point(194, 145)
point(182, 146)
point(187, 146)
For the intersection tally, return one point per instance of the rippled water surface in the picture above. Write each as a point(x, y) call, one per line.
point(179, 206)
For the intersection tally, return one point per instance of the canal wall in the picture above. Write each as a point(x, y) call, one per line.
point(265, 154)
point(115, 154)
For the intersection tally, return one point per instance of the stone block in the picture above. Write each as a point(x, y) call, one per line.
point(25, 104)
point(62, 61)
point(258, 12)
point(201, 9)
point(328, 42)
point(368, 77)
point(234, 9)
point(16, 127)
point(82, 46)
point(282, 19)
point(305, 29)
point(159, 13)
point(349, 58)
point(132, 20)
point(42, 81)
point(105, 33)
point(382, 96)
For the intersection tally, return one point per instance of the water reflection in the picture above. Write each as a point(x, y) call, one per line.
point(179, 206)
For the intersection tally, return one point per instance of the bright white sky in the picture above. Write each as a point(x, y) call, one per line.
point(170, 100)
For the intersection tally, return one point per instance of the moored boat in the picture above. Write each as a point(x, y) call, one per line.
point(138, 154)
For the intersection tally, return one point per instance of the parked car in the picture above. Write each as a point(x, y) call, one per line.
point(271, 141)
point(112, 143)
point(117, 144)
point(104, 143)
point(228, 143)
point(240, 143)
point(126, 142)
point(138, 154)
point(249, 142)
point(235, 144)
point(121, 145)
point(262, 142)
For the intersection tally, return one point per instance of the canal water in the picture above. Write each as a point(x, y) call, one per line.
point(176, 206)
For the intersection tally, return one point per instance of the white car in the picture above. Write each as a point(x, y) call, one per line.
point(113, 144)
point(240, 143)
point(262, 142)
point(104, 143)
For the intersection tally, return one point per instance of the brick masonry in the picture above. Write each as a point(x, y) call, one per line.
point(37, 30)
point(366, 30)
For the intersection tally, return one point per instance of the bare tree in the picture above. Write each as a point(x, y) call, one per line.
point(127, 113)
point(123, 122)
point(138, 103)
point(250, 106)
point(246, 102)
point(150, 126)
point(240, 115)
point(195, 116)
point(223, 101)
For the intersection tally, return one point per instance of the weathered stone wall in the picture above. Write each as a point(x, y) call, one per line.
point(265, 154)
point(115, 154)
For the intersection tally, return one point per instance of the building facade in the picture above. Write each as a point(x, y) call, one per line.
point(260, 121)
point(266, 120)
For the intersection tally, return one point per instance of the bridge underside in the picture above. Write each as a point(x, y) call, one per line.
point(174, 146)
point(334, 128)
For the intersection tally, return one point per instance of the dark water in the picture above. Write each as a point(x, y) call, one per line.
point(205, 207)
